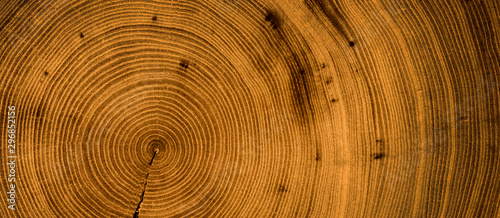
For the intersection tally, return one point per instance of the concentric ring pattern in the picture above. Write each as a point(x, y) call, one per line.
point(238, 108)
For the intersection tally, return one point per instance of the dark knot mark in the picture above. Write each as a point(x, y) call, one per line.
point(46, 73)
point(338, 18)
point(334, 100)
point(301, 93)
point(154, 18)
point(351, 43)
point(329, 81)
point(318, 157)
point(184, 65)
point(378, 156)
point(282, 188)
point(379, 141)
point(136, 214)
point(81, 35)
point(273, 19)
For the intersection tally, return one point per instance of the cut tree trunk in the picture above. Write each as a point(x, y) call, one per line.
point(236, 108)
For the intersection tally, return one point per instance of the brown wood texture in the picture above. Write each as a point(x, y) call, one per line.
point(234, 108)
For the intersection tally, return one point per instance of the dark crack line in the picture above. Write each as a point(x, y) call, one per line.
point(151, 162)
point(136, 214)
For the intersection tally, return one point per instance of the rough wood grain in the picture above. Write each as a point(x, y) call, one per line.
point(235, 108)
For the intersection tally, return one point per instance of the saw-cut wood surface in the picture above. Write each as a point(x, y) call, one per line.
point(237, 108)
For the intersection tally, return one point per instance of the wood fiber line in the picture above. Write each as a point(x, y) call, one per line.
point(267, 108)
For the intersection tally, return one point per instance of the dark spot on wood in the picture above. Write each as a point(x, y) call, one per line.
point(328, 81)
point(379, 156)
point(46, 73)
point(379, 140)
point(300, 90)
point(81, 35)
point(323, 66)
point(154, 18)
point(184, 65)
point(334, 100)
point(282, 188)
point(333, 12)
point(318, 157)
point(351, 43)
point(302, 82)
point(273, 19)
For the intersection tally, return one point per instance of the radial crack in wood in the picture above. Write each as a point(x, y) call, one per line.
point(234, 108)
